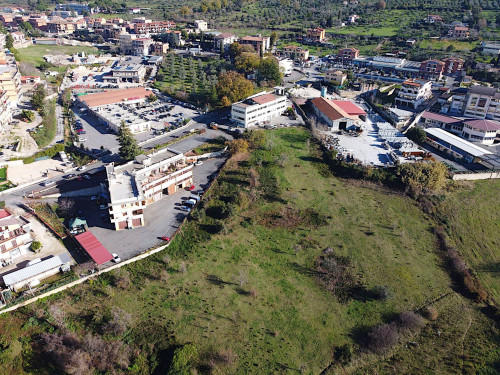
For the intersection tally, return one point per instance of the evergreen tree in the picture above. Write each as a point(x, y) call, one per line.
point(128, 145)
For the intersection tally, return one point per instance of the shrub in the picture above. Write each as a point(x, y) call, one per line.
point(36, 246)
point(423, 176)
point(410, 321)
point(382, 337)
point(383, 292)
point(2, 204)
point(184, 360)
point(431, 313)
point(344, 354)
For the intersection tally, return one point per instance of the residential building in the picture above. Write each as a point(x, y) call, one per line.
point(432, 69)
point(38, 21)
point(399, 116)
point(260, 43)
point(153, 27)
point(337, 114)
point(453, 145)
point(201, 25)
point(141, 46)
point(224, 40)
point(5, 113)
point(433, 18)
point(482, 102)
point(125, 43)
point(79, 8)
point(18, 37)
point(413, 93)
point(347, 55)
point(435, 120)
point(258, 108)
point(490, 47)
point(296, 53)
point(286, 66)
point(37, 270)
point(174, 37)
point(7, 19)
point(459, 32)
point(10, 82)
point(134, 10)
point(481, 131)
point(453, 66)
point(160, 48)
point(335, 77)
point(15, 237)
point(316, 35)
point(137, 184)
point(352, 19)
point(60, 26)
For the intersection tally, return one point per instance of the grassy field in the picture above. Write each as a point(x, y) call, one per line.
point(444, 44)
point(365, 30)
point(3, 174)
point(34, 54)
point(475, 228)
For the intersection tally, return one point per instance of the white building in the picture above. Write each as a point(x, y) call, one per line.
point(135, 185)
point(413, 93)
point(483, 102)
point(286, 66)
point(258, 108)
point(482, 131)
point(201, 25)
point(5, 113)
point(224, 40)
point(15, 237)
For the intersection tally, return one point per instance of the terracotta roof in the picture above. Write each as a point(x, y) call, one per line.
point(94, 248)
point(349, 107)
point(329, 109)
point(486, 125)
point(224, 35)
point(264, 98)
point(253, 38)
point(461, 28)
point(4, 214)
point(115, 96)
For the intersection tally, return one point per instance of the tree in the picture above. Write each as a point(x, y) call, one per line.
point(185, 10)
point(380, 5)
point(184, 359)
point(234, 50)
point(382, 338)
point(29, 116)
point(274, 38)
point(36, 246)
point(247, 62)
point(423, 176)
point(269, 70)
point(152, 98)
point(128, 145)
point(416, 134)
point(233, 86)
point(482, 23)
point(238, 146)
point(44, 65)
point(9, 41)
point(38, 98)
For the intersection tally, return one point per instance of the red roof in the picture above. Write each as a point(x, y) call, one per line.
point(441, 118)
point(485, 125)
point(94, 248)
point(264, 98)
point(349, 107)
point(4, 214)
point(329, 109)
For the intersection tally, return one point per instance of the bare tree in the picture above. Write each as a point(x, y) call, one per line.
point(66, 206)
point(58, 315)
point(253, 177)
point(242, 278)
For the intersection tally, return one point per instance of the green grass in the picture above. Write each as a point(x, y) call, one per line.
point(444, 44)
point(34, 54)
point(45, 135)
point(3, 174)
point(365, 30)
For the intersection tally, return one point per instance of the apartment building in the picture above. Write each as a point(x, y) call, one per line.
point(5, 113)
point(347, 55)
point(482, 102)
point(258, 108)
point(260, 43)
point(432, 69)
point(60, 26)
point(201, 25)
point(160, 48)
point(413, 93)
point(335, 77)
point(459, 32)
point(10, 82)
point(224, 40)
point(79, 8)
point(137, 184)
point(316, 35)
point(15, 237)
point(453, 66)
point(141, 46)
point(153, 27)
point(481, 131)
point(296, 53)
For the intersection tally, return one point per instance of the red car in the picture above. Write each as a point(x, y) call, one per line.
point(191, 188)
point(165, 238)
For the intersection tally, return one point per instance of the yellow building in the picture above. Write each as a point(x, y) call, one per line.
point(10, 82)
point(296, 53)
point(335, 77)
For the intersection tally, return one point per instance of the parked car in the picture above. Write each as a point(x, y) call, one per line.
point(195, 197)
point(186, 208)
point(68, 176)
point(116, 258)
point(103, 206)
point(190, 202)
point(82, 168)
point(165, 238)
point(48, 183)
point(198, 162)
point(87, 177)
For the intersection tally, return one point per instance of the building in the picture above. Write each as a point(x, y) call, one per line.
point(286, 66)
point(174, 37)
point(260, 43)
point(400, 117)
point(132, 73)
point(459, 32)
point(481, 131)
point(224, 40)
point(125, 43)
point(433, 18)
point(201, 25)
point(436, 120)
point(316, 35)
point(134, 10)
point(79, 8)
point(10, 82)
point(5, 113)
point(35, 271)
point(352, 19)
point(141, 46)
point(490, 47)
point(15, 236)
point(337, 114)
point(60, 26)
point(296, 53)
point(453, 145)
point(432, 69)
point(413, 93)
point(160, 48)
point(137, 184)
point(482, 102)
point(93, 247)
point(453, 66)
point(258, 108)
point(153, 27)
point(347, 55)
point(335, 77)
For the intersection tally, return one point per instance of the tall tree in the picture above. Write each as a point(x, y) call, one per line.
point(9, 41)
point(128, 145)
point(274, 38)
point(233, 86)
point(38, 98)
point(269, 70)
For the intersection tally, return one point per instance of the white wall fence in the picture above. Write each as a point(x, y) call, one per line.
point(475, 176)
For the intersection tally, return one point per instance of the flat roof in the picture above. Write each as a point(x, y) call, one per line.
point(94, 248)
point(457, 142)
point(36, 269)
point(115, 96)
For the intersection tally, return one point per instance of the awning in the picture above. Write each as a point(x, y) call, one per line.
point(94, 248)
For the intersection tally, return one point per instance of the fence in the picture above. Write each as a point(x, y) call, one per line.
point(475, 176)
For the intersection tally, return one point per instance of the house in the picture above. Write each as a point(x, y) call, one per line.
point(433, 18)
point(260, 43)
point(36, 271)
point(459, 32)
point(141, 46)
point(258, 108)
point(296, 53)
point(432, 69)
point(335, 77)
point(160, 48)
point(224, 40)
point(413, 93)
point(347, 55)
point(135, 185)
point(134, 10)
point(453, 66)
point(411, 42)
point(201, 25)
point(483, 103)
point(481, 131)
point(490, 47)
point(352, 19)
point(316, 34)
point(337, 114)
point(15, 236)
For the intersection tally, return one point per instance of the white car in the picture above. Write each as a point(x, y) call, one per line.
point(103, 206)
point(199, 162)
point(48, 183)
point(83, 139)
point(82, 168)
point(116, 258)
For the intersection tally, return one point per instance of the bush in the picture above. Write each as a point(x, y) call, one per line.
point(50, 152)
point(184, 360)
point(383, 292)
point(36, 246)
point(382, 337)
point(431, 313)
point(410, 321)
point(344, 354)
point(423, 176)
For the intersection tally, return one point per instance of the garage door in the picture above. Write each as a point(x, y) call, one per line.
point(136, 222)
point(122, 224)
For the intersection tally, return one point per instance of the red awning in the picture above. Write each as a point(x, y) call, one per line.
point(94, 248)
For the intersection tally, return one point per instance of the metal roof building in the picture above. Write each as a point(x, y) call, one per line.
point(94, 248)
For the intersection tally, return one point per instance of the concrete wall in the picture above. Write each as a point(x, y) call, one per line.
point(475, 176)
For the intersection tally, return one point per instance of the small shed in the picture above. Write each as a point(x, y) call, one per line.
point(78, 225)
point(94, 248)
